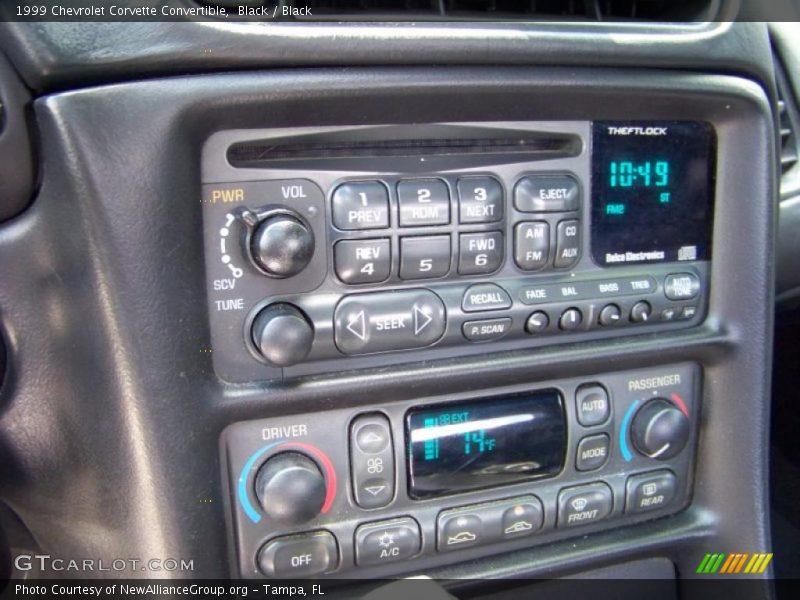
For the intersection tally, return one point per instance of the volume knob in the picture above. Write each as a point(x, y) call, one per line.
point(282, 245)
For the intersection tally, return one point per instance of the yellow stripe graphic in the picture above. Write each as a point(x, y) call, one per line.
point(765, 563)
point(752, 563)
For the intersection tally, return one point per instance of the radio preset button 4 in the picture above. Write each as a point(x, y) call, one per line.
point(361, 205)
point(362, 261)
point(547, 193)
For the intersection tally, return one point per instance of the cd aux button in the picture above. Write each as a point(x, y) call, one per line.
point(568, 244)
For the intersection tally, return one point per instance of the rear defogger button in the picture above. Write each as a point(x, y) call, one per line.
point(386, 321)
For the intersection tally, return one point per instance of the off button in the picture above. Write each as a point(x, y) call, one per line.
point(386, 321)
point(299, 555)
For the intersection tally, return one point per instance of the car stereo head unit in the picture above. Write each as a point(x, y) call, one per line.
point(344, 247)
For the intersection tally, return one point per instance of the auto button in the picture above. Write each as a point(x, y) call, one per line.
point(385, 321)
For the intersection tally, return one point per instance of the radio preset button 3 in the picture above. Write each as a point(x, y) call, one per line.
point(423, 202)
point(480, 200)
point(361, 205)
point(362, 261)
point(547, 193)
point(532, 245)
point(584, 505)
point(424, 257)
point(480, 253)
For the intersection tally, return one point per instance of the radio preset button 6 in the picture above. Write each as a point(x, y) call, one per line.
point(379, 322)
point(568, 243)
point(486, 329)
point(424, 257)
point(387, 541)
point(547, 193)
point(480, 200)
point(361, 205)
point(423, 202)
point(480, 253)
point(532, 245)
point(362, 261)
point(485, 296)
point(584, 504)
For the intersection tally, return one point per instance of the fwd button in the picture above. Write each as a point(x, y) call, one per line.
point(380, 322)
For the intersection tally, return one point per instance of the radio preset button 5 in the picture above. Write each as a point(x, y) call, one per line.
point(485, 296)
point(547, 193)
point(379, 322)
point(584, 504)
point(532, 245)
point(387, 541)
point(361, 205)
point(423, 202)
point(362, 261)
point(480, 253)
point(424, 257)
point(480, 200)
point(568, 243)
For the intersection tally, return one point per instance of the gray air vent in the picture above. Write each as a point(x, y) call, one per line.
point(788, 122)
point(495, 10)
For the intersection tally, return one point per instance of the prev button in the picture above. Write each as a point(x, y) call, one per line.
point(380, 322)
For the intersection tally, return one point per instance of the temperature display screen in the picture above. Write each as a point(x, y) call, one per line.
point(478, 444)
point(652, 192)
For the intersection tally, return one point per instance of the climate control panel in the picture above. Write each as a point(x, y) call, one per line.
point(402, 486)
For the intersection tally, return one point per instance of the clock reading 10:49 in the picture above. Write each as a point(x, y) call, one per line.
point(626, 174)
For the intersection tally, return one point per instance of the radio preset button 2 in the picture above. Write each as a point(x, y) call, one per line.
point(547, 193)
point(592, 405)
point(568, 243)
point(584, 505)
point(570, 319)
point(532, 245)
point(387, 541)
point(299, 555)
point(681, 286)
point(537, 322)
point(384, 321)
point(592, 452)
point(480, 253)
point(424, 257)
point(486, 330)
point(361, 205)
point(480, 200)
point(423, 202)
point(485, 296)
point(362, 261)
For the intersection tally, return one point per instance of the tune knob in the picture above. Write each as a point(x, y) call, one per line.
point(659, 429)
point(282, 244)
point(290, 488)
point(282, 334)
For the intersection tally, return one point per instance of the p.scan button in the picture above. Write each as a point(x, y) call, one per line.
point(384, 321)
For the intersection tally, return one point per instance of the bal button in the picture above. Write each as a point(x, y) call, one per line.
point(570, 319)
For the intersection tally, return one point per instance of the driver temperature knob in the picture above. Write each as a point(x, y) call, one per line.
point(659, 429)
point(282, 244)
point(290, 488)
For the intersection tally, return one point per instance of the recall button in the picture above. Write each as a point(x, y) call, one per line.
point(486, 329)
point(649, 491)
point(584, 504)
point(380, 322)
point(485, 296)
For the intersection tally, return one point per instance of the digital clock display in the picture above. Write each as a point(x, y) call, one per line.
point(652, 191)
point(484, 443)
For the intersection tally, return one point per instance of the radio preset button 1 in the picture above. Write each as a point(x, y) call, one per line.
point(299, 555)
point(486, 329)
point(532, 245)
point(592, 452)
point(480, 200)
point(568, 243)
point(424, 257)
point(480, 252)
point(384, 321)
point(361, 205)
point(610, 315)
point(584, 505)
point(423, 202)
point(372, 461)
point(570, 319)
point(362, 261)
point(485, 296)
point(649, 491)
point(547, 193)
point(641, 311)
point(387, 541)
point(537, 322)
point(681, 286)
point(592, 405)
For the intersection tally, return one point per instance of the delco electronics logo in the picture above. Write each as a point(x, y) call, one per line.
point(652, 131)
point(734, 564)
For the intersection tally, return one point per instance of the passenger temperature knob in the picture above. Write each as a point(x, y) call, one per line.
point(290, 488)
point(659, 429)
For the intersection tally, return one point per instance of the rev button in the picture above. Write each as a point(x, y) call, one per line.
point(485, 296)
point(381, 322)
